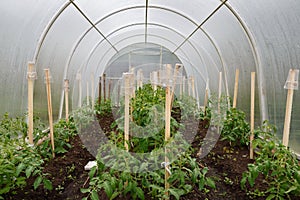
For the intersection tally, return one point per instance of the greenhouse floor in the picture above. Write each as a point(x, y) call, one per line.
point(226, 165)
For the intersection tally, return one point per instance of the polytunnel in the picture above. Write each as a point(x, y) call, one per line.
point(80, 38)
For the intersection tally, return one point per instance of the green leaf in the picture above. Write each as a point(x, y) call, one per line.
point(107, 189)
point(114, 195)
point(188, 188)
point(94, 195)
point(37, 182)
point(47, 184)
point(28, 171)
point(20, 167)
point(174, 193)
point(271, 196)
point(210, 183)
point(291, 189)
point(4, 190)
point(243, 181)
point(92, 172)
point(85, 190)
point(140, 193)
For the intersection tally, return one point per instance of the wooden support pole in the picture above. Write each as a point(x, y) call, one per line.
point(140, 78)
point(177, 67)
point(205, 100)
point(119, 91)
point(87, 94)
point(67, 99)
point(236, 86)
point(48, 89)
point(219, 97)
point(288, 110)
point(252, 113)
point(78, 77)
point(154, 76)
point(167, 136)
point(189, 86)
point(100, 90)
point(183, 85)
point(31, 76)
point(220, 92)
point(109, 88)
point(193, 87)
point(104, 87)
point(127, 77)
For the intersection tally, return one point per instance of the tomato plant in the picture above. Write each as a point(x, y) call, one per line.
point(18, 160)
point(236, 129)
point(276, 163)
point(120, 172)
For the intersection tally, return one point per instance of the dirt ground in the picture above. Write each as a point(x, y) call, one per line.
point(225, 163)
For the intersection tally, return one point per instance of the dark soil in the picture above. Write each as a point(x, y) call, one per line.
point(225, 163)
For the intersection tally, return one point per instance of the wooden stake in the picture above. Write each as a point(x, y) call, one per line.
point(100, 91)
point(140, 78)
point(67, 99)
point(109, 88)
point(177, 66)
point(48, 88)
point(127, 77)
point(31, 76)
point(236, 85)
point(288, 110)
point(167, 136)
point(219, 98)
point(220, 92)
point(155, 79)
point(189, 86)
point(104, 87)
point(180, 87)
point(80, 89)
point(193, 87)
point(118, 95)
point(183, 85)
point(87, 94)
point(252, 112)
point(205, 100)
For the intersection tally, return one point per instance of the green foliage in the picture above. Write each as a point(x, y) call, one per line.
point(148, 124)
point(120, 173)
point(275, 163)
point(83, 116)
point(236, 129)
point(103, 108)
point(217, 109)
point(18, 160)
point(63, 131)
point(145, 102)
point(186, 174)
point(188, 107)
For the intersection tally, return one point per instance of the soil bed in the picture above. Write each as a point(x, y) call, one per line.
point(225, 163)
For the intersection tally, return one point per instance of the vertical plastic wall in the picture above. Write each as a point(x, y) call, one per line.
point(81, 37)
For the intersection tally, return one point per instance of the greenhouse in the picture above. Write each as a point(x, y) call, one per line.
point(149, 99)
